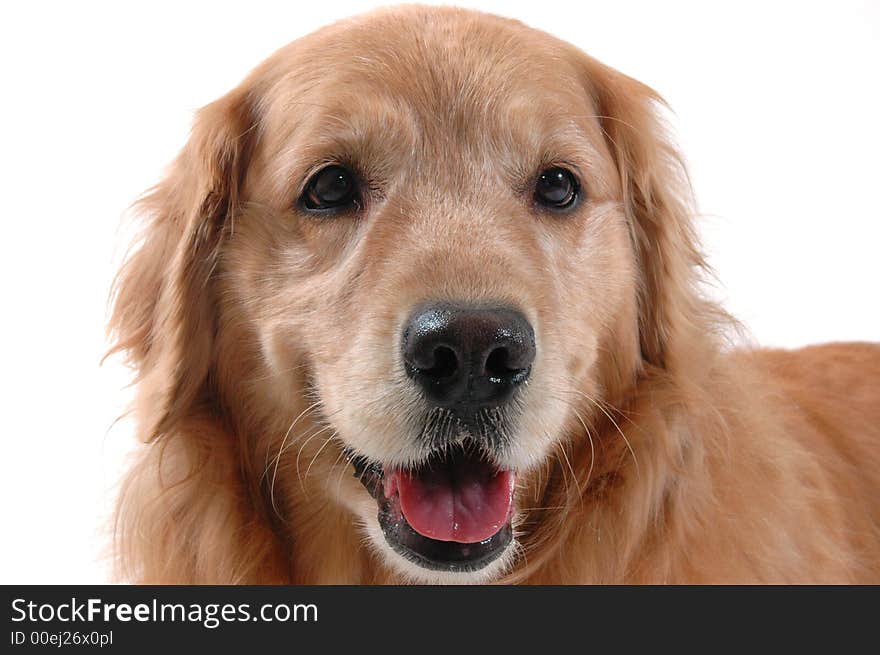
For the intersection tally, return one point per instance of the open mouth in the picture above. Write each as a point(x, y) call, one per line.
point(451, 513)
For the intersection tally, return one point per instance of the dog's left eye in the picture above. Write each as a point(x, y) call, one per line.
point(557, 188)
point(332, 187)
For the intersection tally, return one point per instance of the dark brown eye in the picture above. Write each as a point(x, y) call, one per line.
point(333, 187)
point(556, 188)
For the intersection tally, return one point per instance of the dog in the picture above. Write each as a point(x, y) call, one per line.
point(419, 302)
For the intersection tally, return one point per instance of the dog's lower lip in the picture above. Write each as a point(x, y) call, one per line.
point(439, 555)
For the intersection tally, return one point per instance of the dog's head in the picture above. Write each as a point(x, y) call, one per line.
point(427, 246)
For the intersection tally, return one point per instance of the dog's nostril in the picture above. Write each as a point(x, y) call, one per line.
point(498, 364)
point(444, 365)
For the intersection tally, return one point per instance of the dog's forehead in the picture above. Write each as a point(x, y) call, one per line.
point(436, 50)
point(433, 85)
point(445, 69)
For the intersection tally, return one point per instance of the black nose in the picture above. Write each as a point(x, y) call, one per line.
point(468, 358)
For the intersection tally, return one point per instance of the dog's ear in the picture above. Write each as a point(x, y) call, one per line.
point(162, 298)
point(659, 208)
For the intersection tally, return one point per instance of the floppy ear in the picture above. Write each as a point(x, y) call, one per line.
point(658, 204)
point(162, 311)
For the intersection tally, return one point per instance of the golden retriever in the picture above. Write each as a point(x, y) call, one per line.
point(420, 302)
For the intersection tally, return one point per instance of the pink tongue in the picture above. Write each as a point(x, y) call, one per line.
point(466, 501)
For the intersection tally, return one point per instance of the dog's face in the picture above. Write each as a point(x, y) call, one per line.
point(423, 269)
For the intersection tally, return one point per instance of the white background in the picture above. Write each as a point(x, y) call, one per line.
point(777, 110)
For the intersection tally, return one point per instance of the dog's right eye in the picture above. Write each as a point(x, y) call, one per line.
point(332, 187)
point(557, 189)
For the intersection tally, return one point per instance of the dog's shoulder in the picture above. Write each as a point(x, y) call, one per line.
point(850, 368)
point(835, 386)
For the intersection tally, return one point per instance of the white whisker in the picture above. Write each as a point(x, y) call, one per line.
point(278, 456)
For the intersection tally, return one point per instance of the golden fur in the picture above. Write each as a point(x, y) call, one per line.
point(265, 340)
